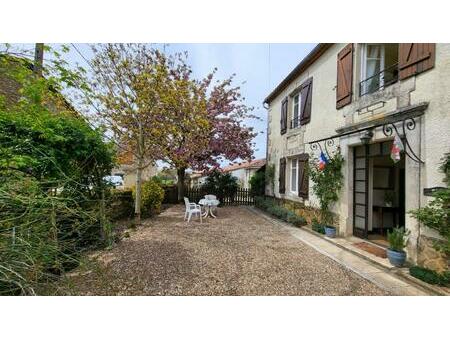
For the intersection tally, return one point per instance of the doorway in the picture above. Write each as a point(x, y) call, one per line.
point(379, 192)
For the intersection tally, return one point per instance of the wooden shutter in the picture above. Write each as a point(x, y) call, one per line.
point(283, 121)
point(282, 176)
point(303, 178)
point(306, 95)
point(415, 58)
point(344, 76)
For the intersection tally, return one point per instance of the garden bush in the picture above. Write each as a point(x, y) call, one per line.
point(121, 204)
point(258, 183)
point(430, 276)
point(317, 227)
point(52, 186)
point(296, 220)
point(152, 197)
point(271, 207)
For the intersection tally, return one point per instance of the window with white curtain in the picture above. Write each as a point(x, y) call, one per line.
point(295, 110)
point(372, 65)
point(294, 174)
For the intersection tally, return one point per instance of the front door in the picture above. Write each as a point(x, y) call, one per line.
point(361, 191)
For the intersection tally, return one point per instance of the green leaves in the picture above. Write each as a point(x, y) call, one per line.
point(327, 182)
point(436, 215)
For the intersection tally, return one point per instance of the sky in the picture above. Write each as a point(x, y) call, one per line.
point(259, 68)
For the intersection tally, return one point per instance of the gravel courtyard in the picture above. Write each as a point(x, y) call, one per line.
point(239, 253)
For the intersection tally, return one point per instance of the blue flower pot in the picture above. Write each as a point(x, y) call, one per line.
point(330, 232)
point(396, 258)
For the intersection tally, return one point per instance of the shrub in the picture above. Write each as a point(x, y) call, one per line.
point(121, 204)
point(397, 239)
point(430, 276)
point(258, 184)
point(152, 197)
point(317, 227)
point(436, 214)
point(221, 184)
point(296, 219)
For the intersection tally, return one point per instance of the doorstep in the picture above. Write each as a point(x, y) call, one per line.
point(375, 269)
point(347, 243)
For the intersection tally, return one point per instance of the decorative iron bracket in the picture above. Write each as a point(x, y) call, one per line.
point(407, 124)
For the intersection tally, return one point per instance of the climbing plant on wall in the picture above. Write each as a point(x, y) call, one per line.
point(327, 183)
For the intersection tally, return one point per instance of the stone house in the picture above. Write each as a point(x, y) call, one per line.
point(126, 170)
point(354, 98)
point(244, 171)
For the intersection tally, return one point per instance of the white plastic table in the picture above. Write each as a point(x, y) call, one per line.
point(209, 206)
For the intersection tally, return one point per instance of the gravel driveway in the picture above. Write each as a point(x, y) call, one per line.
point(239, 253)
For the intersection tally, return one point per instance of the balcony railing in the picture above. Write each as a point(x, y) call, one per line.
point(295, 122)
point(379, 81)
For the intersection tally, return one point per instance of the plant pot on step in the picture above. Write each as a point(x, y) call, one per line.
point(396, 258)
point(330, 231)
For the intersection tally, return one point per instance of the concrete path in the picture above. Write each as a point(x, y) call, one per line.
point(362, 267)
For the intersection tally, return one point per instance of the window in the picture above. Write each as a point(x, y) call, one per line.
point(378, 66)
point(294, 175)
point(296, 102)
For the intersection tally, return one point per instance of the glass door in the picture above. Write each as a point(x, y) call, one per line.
point(360, 191)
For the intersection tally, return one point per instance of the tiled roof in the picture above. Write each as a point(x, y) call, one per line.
point(245, 165)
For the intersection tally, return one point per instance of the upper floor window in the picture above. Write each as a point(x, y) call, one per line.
point(296, 104)
point(379, 67)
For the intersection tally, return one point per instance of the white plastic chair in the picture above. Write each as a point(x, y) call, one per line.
point(192, 209)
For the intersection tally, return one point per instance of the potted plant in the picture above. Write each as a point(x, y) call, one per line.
point(327, 223)
point(327, 184)
point(397, 239)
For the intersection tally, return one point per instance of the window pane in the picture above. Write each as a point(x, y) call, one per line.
point(294, 175)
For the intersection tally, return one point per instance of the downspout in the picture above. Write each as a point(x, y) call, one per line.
point(266, 106)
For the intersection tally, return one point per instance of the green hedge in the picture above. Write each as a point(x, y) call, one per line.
point(274, 209)
point(430, 276)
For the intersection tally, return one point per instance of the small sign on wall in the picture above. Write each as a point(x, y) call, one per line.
point(430, 191)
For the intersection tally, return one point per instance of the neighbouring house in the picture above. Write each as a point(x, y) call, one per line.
point(196, 178)
point(126, 170)
point(354, 98)
point(244, 170)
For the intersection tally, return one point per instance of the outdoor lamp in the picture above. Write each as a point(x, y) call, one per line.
point(366, 137)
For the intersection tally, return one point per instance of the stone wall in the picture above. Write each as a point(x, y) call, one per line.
point(430, 258)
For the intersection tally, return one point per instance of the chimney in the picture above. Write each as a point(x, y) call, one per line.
point(38, 59)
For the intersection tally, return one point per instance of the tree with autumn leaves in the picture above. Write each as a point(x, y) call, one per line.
point(153, 107)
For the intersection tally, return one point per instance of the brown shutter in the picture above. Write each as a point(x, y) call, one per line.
point(415, 58)
point(344, 76)
point(303, 178)
point(306, 95)
point(282, 176)
point(283, 121)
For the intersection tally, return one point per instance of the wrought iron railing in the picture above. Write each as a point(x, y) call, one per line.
point(295, 122)
point(379, 81)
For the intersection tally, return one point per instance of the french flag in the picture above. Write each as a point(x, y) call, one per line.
point(323, 161)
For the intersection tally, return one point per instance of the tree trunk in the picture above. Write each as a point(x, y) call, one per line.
point(137, 201)
point(140, 162)
point(180, 183)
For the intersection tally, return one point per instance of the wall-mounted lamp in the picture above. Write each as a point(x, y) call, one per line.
point(366, 137)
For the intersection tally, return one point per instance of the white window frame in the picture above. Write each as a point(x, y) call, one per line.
point(298, 104)
point(364, 63)
point(293, 190)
